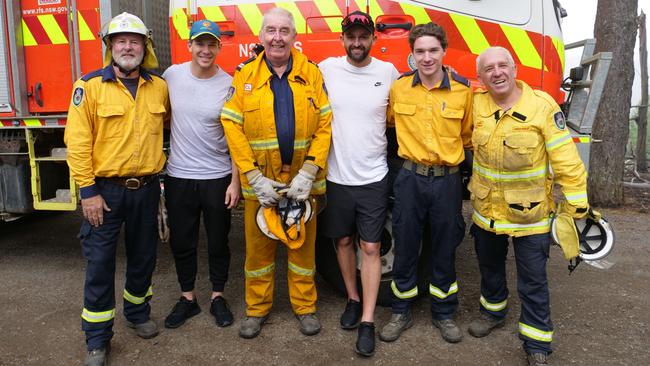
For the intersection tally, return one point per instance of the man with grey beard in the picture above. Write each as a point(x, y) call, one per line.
point(114, 141)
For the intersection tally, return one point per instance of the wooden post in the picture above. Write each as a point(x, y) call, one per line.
point(642, 121)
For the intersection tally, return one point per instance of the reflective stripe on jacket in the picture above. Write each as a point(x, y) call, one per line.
point(249, 121)
point(518, 155)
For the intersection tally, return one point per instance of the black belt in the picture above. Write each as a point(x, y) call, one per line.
point(132, 183)
point(429, 170)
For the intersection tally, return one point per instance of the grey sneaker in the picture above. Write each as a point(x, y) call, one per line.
point(398, 323)
point(448, 330)
point(98, 356)
point(309, 324)
point(537, 359)
point(484, 325)
point(145, 330)
point(251, 326)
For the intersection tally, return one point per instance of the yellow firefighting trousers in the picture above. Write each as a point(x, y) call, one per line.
point(260, 267)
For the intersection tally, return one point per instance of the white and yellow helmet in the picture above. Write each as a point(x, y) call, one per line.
point(129, 23)
point(591, 238)
point(286, 221)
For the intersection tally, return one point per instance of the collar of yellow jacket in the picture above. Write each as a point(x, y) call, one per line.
point(524, 110)
point(299, 70)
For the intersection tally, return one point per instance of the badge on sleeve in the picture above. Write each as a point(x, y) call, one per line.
point(560, 121)
point(231, 92)
point(78, 96)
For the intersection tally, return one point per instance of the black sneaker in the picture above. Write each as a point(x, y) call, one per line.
point(366, 339)
point(221, 311)
point(183, 310)
point(352, 315)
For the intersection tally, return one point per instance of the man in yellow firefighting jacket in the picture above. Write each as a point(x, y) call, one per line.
point(114, 149)
point(277, 122)
point(521, 148)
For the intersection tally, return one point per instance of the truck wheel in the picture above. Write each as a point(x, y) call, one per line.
point(328, 267)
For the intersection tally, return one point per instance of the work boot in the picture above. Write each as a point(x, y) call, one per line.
point(183, 310)
point(309, 324)
point(251, 326)
point(366, 339)
point(537, 359)
point(352, 315)
point(483, 326)
point(221, 311)
point(448, 330)
point(98, 356)
point(398, 323)
point(145, 330)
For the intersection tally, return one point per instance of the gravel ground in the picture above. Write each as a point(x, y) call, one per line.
point(599, 315)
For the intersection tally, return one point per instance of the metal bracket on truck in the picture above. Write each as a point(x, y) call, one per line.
point(585, 86)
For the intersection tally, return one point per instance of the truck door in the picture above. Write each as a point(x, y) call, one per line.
point(58, 49)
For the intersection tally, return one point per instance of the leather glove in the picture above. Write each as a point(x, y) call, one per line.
point(264, 188)
point(573, 211)
point(595, 215)
point(300, 185)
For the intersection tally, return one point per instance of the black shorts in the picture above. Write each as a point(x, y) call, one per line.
point(355, 209)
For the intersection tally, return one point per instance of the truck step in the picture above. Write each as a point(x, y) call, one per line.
point(56, 154)
point(62, 196)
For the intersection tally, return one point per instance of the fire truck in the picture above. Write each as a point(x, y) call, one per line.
point(45, 45)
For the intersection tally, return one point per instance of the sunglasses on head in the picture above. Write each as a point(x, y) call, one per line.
point(356, 18)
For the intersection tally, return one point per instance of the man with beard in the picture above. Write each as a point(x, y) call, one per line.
point(357, 178)
point(277, 122)
point(431, 108)
point(114, 142)
point(201, 178)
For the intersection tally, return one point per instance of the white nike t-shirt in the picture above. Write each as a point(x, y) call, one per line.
point(359, 98)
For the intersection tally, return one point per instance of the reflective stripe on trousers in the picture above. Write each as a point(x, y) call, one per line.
point(137, 300)
point(413, 292)
point(493, 306)
point(441, 294)
point(97, 316)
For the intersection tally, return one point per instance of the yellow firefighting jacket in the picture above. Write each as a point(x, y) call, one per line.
point(433, 125)
point(249, 121)
point(518, 155)
point(109, 134)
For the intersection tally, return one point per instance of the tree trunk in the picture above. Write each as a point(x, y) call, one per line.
point(615, 31)
point(642, 121)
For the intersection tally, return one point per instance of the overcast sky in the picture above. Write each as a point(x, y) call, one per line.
point(579, 24)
